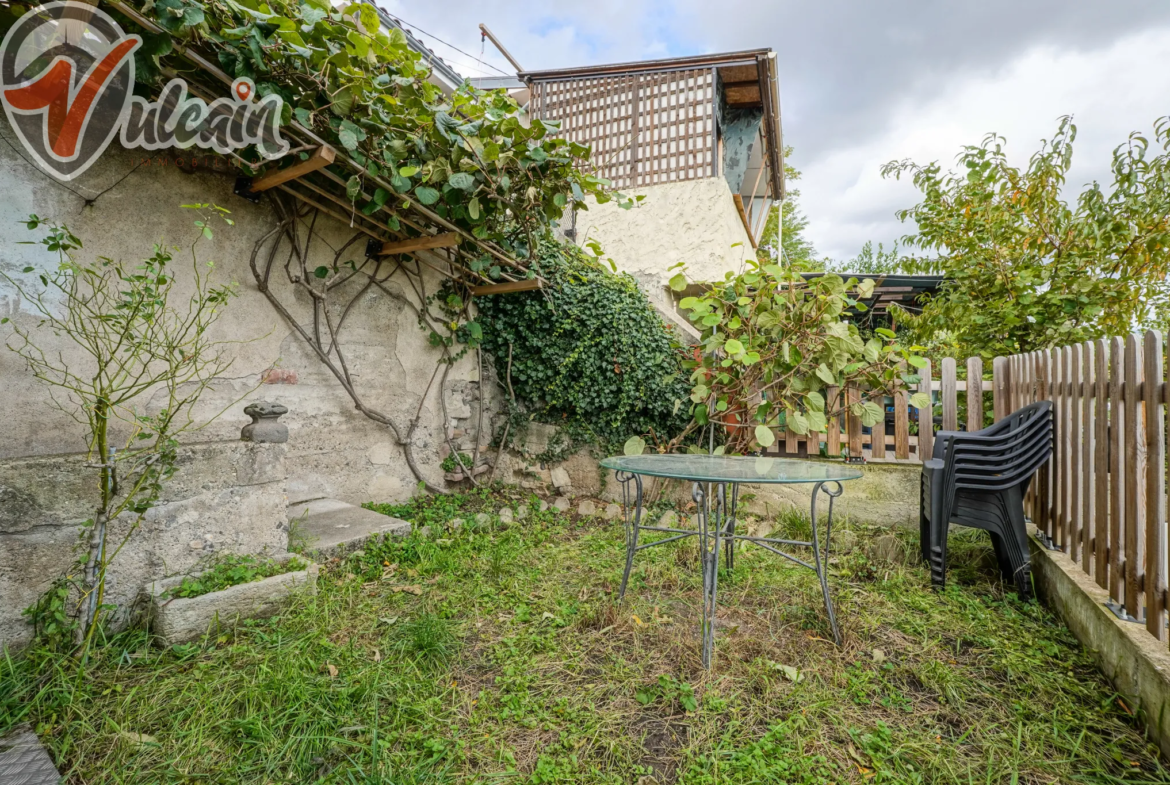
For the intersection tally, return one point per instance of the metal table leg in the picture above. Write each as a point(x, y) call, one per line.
point(821, 561)
point(632, 519)
point(716, 513)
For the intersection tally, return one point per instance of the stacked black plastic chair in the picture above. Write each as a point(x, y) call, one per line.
point(979, 480)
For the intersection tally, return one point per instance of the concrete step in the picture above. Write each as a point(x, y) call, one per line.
point(329, 527)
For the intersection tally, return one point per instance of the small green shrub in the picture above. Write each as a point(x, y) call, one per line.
point(231, 571)
point(452, 463)
point(428, 637)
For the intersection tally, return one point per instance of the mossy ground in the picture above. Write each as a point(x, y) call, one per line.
point(493, 654)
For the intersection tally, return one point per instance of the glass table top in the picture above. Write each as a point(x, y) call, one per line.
point(727, 468)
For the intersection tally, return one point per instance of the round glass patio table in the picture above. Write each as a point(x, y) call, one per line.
point(716, 480)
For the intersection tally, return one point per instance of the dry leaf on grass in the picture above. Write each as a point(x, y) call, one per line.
point(412, 589)
point(137, 738)
point(331, 669)
point(377, 656)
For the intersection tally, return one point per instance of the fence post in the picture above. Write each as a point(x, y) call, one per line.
point(974, 394)
point(1088, 427)
point(1001, 387)
point(1044, 489)
point(1155, 491)
point(1135, 488)
point(1073, 477)
point(901, 424)
point(1116, 469)
point(949, 394)
point(926, 416)
point(1101, 462)
point(853, 422)
point(833, 437)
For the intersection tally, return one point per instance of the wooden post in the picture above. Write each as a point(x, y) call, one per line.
point(877, 434)
point(1134, 489)
point(853, 423)
point(1088, 443)
point(1101, 462)
point(1155, 490)
point(901, 424)
point(319, 159)
point(1073, 476)
point(1116, 466)
point(833, 437)
point(925, 416)
point(974, 394)
point(950, 396)
point(1044, 486)
point(1001, 387)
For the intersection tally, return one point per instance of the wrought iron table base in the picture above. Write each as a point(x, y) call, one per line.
point(716, 506)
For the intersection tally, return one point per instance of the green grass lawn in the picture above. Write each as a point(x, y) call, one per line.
point(497, 654)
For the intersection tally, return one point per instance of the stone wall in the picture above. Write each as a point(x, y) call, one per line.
point(226, 496)
point(120, 208)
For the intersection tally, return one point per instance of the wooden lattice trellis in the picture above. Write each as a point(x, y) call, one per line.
point(644, 128)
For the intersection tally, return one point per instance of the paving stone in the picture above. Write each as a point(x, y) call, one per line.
point(333, 528)
point(587, 509)
point(505, 514)
point(561, 503)
point(543, 505)
point(522, 513)
point(482, 519)
point(612, 511)
point(668, 519)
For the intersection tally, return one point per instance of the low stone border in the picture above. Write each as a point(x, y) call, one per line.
point(1138, 665)
point(186, 619)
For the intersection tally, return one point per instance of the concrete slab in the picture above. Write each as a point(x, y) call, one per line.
point(1136, 662)
point(23, 761)
point(330, 527)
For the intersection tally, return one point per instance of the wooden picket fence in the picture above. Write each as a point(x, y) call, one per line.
point(1102, 497)
point(909, 436)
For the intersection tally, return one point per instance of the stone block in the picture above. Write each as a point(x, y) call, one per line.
point(261, 463)
point(584, 473)
point(612, 511)
point(561, 503)
point(265, 427)
point(560, 479)
point(537, 438)
point(587, 509)
point(180, 620)
point(505, 514)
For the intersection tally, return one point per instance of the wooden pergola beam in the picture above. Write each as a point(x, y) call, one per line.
point(321, 157)
point(506, 288)
point(425, 243)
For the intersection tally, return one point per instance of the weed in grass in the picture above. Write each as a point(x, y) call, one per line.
point(428, 637)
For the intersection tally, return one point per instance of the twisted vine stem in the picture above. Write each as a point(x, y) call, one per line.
point(331, 310)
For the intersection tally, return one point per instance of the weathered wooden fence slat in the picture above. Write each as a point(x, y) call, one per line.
point(1155, 501)
point(1116, 452)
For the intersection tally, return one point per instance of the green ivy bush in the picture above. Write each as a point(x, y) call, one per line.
point(589, 352)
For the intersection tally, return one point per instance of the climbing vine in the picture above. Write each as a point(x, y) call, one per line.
point(589, 352)
point(467, 156)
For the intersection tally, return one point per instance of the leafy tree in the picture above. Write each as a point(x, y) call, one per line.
point(776, 353)
point(795, 249)
point(1025, 269)
point(872, 262)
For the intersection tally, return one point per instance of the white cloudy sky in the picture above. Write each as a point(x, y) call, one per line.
point(864, 82)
